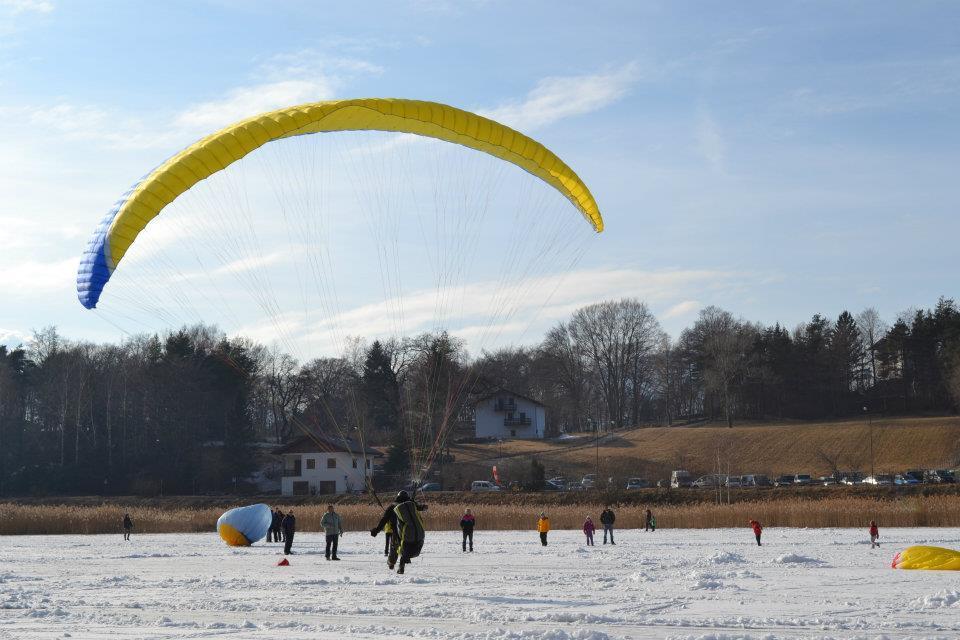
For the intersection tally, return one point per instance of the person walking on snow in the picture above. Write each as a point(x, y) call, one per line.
point(757, 530)
point(607, 518)
point(874, 534)
point(289, 526)
point(467, 522)
point(127, 526)
point(588, 529)
point(333, 528)
point(543, 527)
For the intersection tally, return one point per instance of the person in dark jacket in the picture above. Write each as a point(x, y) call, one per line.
point(388, 523)
point(607, 518)
point(279, 532)
point(467, 522)
point(650, 523)
point(127, 526)
point(276, 518)
point(408, 533)
point(289, 526)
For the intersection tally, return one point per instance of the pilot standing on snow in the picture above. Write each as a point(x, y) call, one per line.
point(289, 527)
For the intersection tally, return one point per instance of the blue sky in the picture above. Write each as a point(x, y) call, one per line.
point(775, 159)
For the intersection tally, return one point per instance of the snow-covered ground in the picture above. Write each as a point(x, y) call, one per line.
point(710, 584)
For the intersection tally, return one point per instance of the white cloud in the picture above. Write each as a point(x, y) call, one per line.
point(15, 7)
point(12, 337)
point(556, 98)
point(685, 308)
point(255, 262)
point(243, 102)
point(279, 81)
point(33, 277)
point(467, 312)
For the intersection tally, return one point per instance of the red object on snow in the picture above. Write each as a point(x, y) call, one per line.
point(283, 563)
point(896, 559)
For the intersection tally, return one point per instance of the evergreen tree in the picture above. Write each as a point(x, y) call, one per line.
point(381, 390)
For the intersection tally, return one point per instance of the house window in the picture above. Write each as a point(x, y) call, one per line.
point(354, 463)
point(513, 433)
point(311, 463)
point(331, 463)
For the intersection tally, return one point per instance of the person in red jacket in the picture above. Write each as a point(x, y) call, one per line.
point(874, 534)
point(588, 529)
point(757, 530)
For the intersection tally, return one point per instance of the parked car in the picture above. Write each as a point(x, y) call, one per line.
point(550, 485)
point(680, 478)
point(827, 481)
point(939, 476)
point(733, 482)
point(879, 479)
point(483, 485)
point(431, 486)
point(783, 481)
point(637, 483)
point(559, 480)
point(713, 480)
point(755, 480)
point(916, 474)
point(802, 479)
point(905, 480)
point(589, 481)
point(850, 480)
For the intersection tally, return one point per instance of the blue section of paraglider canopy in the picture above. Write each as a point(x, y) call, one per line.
point(252, 521)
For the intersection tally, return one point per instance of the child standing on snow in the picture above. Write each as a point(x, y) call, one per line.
point(543, 527)
point(874, 534)
point(588, 529)
point(757, 530)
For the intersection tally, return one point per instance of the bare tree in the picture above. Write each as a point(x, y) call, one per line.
point(616, 336)
point(872, 328)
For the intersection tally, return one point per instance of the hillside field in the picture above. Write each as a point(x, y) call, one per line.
point(772, 449)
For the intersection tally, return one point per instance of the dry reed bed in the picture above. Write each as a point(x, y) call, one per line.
point(846, 511)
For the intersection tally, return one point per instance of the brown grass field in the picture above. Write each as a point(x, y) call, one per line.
point(834, 512)
point(508, 511)
point(772, 449)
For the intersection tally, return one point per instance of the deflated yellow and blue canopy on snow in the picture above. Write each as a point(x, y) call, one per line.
point(138, 206)
point(929, 558)
point(242, 526)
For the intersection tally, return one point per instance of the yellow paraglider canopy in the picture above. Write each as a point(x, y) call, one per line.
point(163, 185)
point(929, 558)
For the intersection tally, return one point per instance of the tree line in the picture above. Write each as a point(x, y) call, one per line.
point(188, 412)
